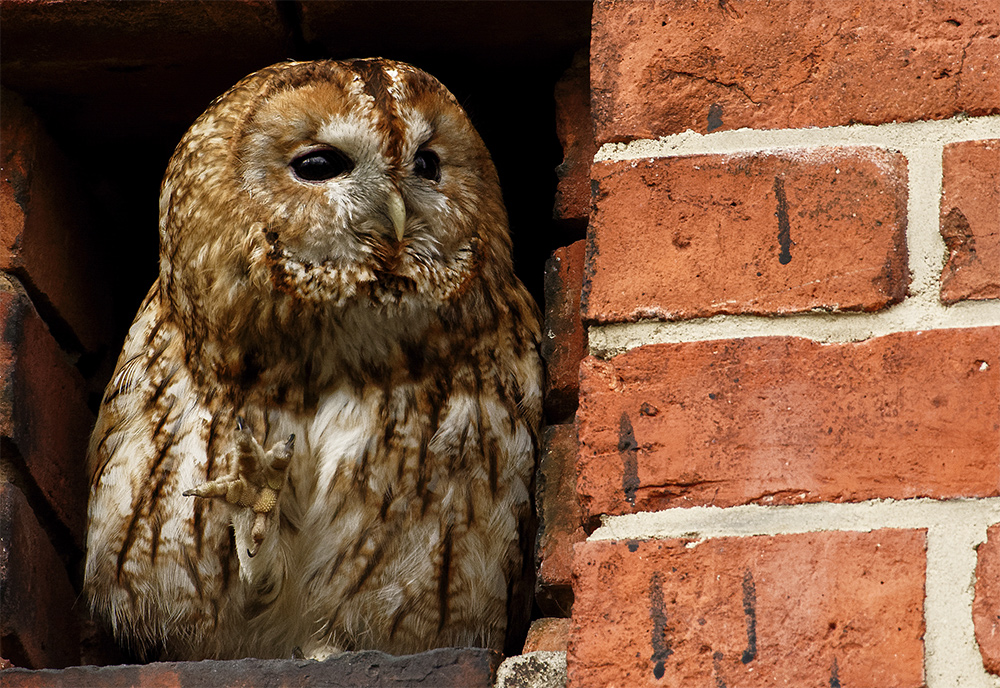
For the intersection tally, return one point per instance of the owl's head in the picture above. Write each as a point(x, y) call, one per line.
point(330, 182)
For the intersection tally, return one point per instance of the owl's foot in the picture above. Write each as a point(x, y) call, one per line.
point(256, 481)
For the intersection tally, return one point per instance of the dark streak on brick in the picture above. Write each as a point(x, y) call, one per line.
point(750, 610)
point(714, 117)
point(627, 449)
point(834, 677)
point(784, 228)
point(717, 668)
point(658, 613)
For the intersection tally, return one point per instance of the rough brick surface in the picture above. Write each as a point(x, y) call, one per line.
point(447, 668)
point(779, 420)
point(816, 609)
point(663, 68)
point(560, 519)
point(37, 618)
point(44, 238)
point(970, 220)
point(764, 233)
point(986, 607)
point(564, 343)
point(547, 635)
point(575, 129)
point(43, 407)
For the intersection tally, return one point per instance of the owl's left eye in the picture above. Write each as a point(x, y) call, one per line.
point(426, 164)
point(320, 165)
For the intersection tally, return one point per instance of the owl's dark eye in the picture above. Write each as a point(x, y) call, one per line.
point(426, 164)
point(320, 165)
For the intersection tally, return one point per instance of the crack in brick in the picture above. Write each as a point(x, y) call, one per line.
point(710, 80)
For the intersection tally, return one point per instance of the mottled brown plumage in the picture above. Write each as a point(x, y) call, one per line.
point(321, 432)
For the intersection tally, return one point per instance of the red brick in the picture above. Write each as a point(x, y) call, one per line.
point(781, 420)
point(663, 68)
point(44, 237)
point(43, 407)
point(547, 635)
point(970, 220)
point(445, 668)
point(565, 342)
point(763, 233)
point(986, 606)
point(575, 129)
point(37, 618)
point(560, 521)
point(814, 609)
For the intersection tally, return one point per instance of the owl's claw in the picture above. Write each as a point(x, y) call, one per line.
point(255, 482)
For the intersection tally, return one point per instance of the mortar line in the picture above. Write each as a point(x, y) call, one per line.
point(925, 246)
point(754, 519)
point(823, 327)
point(902, 136)
point(952, 658)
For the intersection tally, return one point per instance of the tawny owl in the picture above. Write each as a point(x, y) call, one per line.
point(322, 430)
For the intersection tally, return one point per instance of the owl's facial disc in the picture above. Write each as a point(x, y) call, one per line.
point(363, 176)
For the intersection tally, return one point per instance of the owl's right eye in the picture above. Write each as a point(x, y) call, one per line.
point(320, 165)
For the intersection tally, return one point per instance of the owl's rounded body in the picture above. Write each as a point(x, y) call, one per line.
point(322, 430)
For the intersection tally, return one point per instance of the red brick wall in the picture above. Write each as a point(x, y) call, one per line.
point(785, 455)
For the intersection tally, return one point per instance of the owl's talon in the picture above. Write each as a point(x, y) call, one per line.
point(255, 482)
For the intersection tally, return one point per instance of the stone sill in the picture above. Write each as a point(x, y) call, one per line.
point(443, 668)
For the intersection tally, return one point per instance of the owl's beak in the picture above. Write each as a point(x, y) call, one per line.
point(396, 210)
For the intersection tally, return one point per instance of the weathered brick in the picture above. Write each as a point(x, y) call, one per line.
point(560, 521)
point(986, 606)
point(446, 668)
point(764, 233)
point(814, 609)
point(565, 342)
point(575, 129)
point(547, 635)
point(970, 220)
point(44, 234)
point(37, 619)
point(780, 420)
point(43, 407)
point(662, 68)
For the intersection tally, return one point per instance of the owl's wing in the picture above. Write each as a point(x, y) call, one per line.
point(158, 563)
